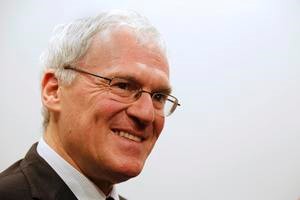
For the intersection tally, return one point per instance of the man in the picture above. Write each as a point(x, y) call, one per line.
point(106, 93)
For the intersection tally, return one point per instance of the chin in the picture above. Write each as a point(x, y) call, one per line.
point(128, 171)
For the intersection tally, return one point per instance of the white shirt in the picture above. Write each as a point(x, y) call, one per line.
point(81, 186)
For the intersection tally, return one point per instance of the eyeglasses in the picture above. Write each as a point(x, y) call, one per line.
point(127, 91)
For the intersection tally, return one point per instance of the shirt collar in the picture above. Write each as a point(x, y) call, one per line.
point(80, 185)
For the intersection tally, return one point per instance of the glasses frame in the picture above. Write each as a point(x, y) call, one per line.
point(138, 93)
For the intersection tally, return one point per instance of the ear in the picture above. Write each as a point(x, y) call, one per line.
point(50, 91)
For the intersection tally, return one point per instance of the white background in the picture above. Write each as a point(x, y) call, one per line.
point(235, 68)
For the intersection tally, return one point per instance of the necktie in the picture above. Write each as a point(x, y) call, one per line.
point(109, 198)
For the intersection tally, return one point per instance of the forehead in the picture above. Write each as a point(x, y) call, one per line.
point(121, 52)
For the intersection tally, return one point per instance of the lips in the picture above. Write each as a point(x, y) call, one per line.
point(127, 135)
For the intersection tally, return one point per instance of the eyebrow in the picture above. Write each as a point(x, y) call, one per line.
point(161, 89)
point(165, 90)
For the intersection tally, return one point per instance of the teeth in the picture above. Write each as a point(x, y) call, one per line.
point(128, 136)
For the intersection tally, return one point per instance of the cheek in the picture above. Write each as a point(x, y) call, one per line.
point(159, 125)
point(104, 110)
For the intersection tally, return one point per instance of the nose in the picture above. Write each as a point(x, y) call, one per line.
point(142, 109)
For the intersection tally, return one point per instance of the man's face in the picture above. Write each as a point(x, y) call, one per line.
point(91, 122)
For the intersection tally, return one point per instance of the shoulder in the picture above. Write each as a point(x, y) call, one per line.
point(13, 184)
point(122, 198)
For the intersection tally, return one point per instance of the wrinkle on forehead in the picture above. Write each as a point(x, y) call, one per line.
point(139, 70)
point(123, 49)
point(124, 41)
point(153, 78)
point(127, 34)
point(142, 55)
point(157, 69)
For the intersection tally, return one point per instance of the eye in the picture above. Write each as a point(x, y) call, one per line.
point(159, 97)
point(123, 84)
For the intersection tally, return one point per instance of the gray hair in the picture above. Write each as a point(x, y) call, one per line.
point(71, 41)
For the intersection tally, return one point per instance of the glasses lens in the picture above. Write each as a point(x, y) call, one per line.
point(124, 90)
point(127, 91)
point(170, 105)
point(164, 104)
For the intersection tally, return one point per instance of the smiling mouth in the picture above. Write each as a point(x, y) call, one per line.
point(127, 135)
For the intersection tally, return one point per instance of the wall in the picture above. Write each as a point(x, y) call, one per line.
point(235, 68)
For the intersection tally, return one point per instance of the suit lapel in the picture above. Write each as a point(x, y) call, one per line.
point(121, 198)
point(43, 180)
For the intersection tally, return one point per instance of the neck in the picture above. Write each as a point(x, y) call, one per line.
point(52, 138)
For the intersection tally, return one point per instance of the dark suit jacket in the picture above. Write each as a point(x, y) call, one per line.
point(33, 178)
